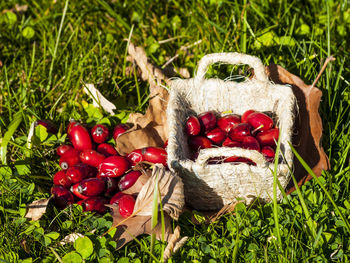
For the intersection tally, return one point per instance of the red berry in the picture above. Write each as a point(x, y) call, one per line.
point(245, 115)
point(268, 153)
point(114, 166)
point(239, 131)
point(216, 135)
point(126, 205)
point(80, 137)
point(260, 121)
point(88, 187)
point(199, 142)
point(106, 149)
point(76, 174)
point(268, 138)
point(63, 148)
point(69, 158)
point(229, 143)
point(50, 127)
point(227, 122)
point(115, 199)
point(119, 130)
point(128, 180)
point(111, 185)
point(89, 170)
point(208, 120)
point(91, 157)
point(135, 157)
point(60, 178)
point(71, 123)
point(250, 143)
point(238, 160)
point(193, 126)
point(95, 203)
point(155, 155)
point(62, 197)
point(99, 133)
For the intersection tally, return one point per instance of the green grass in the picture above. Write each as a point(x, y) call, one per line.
point(48, 51)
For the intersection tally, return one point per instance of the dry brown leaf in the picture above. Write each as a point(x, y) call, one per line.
point(172, 196)
point(98, 100)
point(37, 209)
point(175, 242)
point(308, 125)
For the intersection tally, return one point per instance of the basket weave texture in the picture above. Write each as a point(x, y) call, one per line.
point(209, 187)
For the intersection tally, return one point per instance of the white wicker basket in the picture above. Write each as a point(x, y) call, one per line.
point(209, 187)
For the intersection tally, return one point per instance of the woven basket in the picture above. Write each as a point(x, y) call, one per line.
point(209, 187)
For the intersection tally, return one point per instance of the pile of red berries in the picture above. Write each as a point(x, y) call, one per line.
point(94, 174)
point(253, 130)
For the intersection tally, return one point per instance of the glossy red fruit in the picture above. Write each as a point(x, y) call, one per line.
point(250, 143)
point(69, 158)
point(63, 148)
point(260, 121)
point(193, 126)
point(135, 157)
point(268, 138)
point(80, 137)
point(114, 166)
point(62, 196)
point(115, 199)
point(111, 185)
point(216, 135)
point(89, 170)
point(88, 187)
point(229, 143)
point(269, 153)
point(246, 114)
point(95, 203)
point(199, 142)
point(226, 123)
point(155, 155)
point(50, 127)
point(106, 149)
point(128, 180)
point(60, 178)
point(99, 133)
point(239, 131)
point(126, 205)
point(91, 157)
point(208, 120)
point(76, 174)
point(119, 130)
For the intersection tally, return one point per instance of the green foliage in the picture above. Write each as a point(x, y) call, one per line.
point(48, 52)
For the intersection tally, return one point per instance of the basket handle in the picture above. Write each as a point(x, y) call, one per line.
point(231, 58)
point(206, 154)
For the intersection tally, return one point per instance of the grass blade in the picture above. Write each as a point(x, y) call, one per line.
point(154, 214)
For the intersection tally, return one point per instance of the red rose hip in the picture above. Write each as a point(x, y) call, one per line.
point(216, 135)
point(106, 149)
point(62, 149)
point(155, 155)
point(128, 180)
point(88, 187)
point(269, 153)
point(239, 131)
point(60, 178)
point(69, 158)
point(80, 137)
point(260, 121)
point(208, 120)
point(193, 126)
point(115, 199)
point(91, 157)
point(62, 196)
point(111, 185)
point(99, 133)
point(126, 205)
point(76, 174)
point(229, 143)
point(135, 157)
point(226, 123)
point(95, 203)
point(245, 115)
point(268, 138)
point(119, 130)
point(250, 143)
point(114, 166)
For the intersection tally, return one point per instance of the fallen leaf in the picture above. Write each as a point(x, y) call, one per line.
point(37, 209)
point(98, 100)
point(308, 125)
point(70, 238)
point(172, 197)
point(175, 242)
